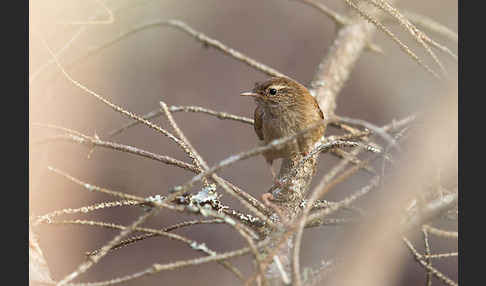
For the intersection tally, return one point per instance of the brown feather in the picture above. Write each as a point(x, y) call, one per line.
point(257, 117)
point(318, 108)
point(285, 107)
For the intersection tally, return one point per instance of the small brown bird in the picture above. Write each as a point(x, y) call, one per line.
point(285, 107)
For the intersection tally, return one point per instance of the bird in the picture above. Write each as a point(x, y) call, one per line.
point(285, 107)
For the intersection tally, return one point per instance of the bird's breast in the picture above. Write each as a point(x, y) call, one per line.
point(277, 124)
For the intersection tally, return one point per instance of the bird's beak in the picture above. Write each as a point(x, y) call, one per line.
point(249, 93)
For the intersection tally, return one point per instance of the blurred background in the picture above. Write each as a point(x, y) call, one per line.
point(165, 64)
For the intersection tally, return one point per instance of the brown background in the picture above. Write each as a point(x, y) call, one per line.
point(165, 64)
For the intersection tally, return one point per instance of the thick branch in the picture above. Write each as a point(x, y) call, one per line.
point(332, 72)
point(334, 69)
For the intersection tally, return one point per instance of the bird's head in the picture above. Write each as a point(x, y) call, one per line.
point(277, 91)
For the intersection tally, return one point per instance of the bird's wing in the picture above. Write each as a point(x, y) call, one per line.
point(257, 125)
point(318, 108)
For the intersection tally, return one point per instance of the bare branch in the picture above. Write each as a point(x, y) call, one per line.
point(220, 46)
point(325, 185)
point(418, 35)
point(96, 142)
point(430, 211)
point(184, 142)
point(431, 25)
point(372, 127)
point(115, 107)
point(38, 267)
point(331, 222)
point(100, 13)
point(429, 274)
point(441, 255)
point(83, 267)
point(241, 156)
point(175, 265)
point(387, 31)
point(48, 217)
point(339, 19)
point(334, 69)
point(352, 159)
point(124, 196)
point(316, 218)
point(204, 167)
point(153, 232)
point(419, 258)
point(196, 109)
point(110, 20)
point(440, 232)
point(274, 235)
point(319, 191)
point(107, 102)
point(150, 233)
point(181, 26)
point(256, 206)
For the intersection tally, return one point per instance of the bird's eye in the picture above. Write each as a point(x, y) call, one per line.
point(272, 91)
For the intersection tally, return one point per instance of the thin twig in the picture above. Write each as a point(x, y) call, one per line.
point(440, 232)
point(378, 130)
point(428, 276)
point(221, 47)
point(331, 222)
point(124, 196)
point(107, 102)
point(195, 109)
point(305, 218)
point(431, 25)
point(339, 19)
point(334, 142)
point(207, 41)
point(418, 35)
point(249, 198)
point(61, 128)
point(242, 156)
point(419, 258)
point(402, 46)
point(86, 209)
point(83, 267)
point(258, 208)
point(273, 252)
point(184, 143)
point(110, 20)
point(82, 29)
point(203, 165)
point(430, 211)
point(282, 238)
point(154, 232)
point(96, 142)
point(352, 159)
point(343, 203)
point(285, 278)
point(175, 265)
point(114, 106)
point(326, 184)
point(442, 255)
point(33, 76)
point(324, 204)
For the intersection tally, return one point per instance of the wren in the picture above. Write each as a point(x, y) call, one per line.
point(285, 107)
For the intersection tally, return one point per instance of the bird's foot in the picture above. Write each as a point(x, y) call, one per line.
point(267, 198)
